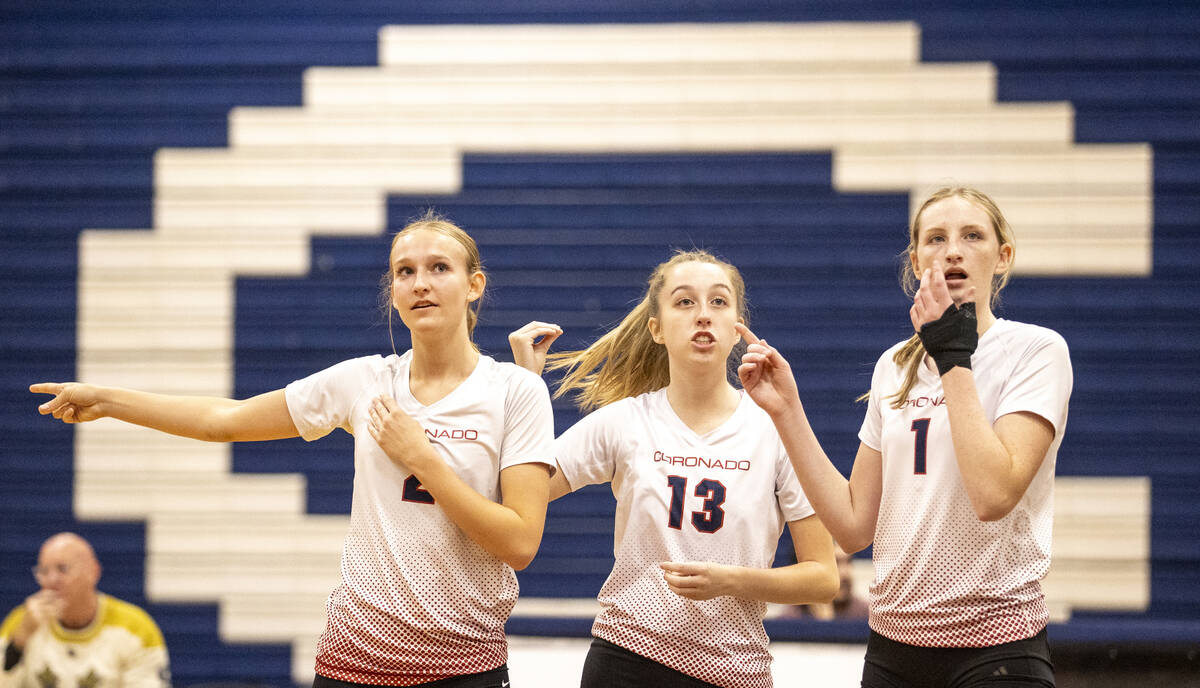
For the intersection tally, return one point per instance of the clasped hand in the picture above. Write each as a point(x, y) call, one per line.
point(696, 580)
point(42, 608)
point(399, 436)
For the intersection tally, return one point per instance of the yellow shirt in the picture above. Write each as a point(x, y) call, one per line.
point(121, 648)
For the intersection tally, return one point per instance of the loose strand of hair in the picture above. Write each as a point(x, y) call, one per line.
point(623, 362)
point(909, 357)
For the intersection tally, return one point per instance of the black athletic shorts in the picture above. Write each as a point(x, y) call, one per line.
point(612, 666)
point(496, 678)
point(1019, 664)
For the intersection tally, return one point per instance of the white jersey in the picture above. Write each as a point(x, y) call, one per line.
point(419, 600)
point(721, 497)
point(944, 578)
point(121, 648)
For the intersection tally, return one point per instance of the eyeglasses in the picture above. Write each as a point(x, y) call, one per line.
point(41, 573)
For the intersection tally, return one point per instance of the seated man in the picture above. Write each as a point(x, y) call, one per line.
point(67, 634)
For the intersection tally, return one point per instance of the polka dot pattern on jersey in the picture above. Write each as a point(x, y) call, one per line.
point(413, 616)
point(943, 576)
point(723, 497)
point(420, 601)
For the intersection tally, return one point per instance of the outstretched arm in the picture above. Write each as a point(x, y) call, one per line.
point(849, 508)
point(997, 460)
point(213, 419)
point(510, 530)
point(813, 578)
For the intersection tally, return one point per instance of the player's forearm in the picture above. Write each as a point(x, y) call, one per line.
point(825, 487)
point(194, 417)
point(500, 530)
point(986, 466)
point(211, 419)
point(801, 583)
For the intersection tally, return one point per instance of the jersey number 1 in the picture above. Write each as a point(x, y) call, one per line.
point(711, 518)
point(921, 427)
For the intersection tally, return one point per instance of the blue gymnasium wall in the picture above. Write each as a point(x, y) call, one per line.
point(89, 90)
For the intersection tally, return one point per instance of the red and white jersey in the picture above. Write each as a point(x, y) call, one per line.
point(944, 578)
point(419, 600)
point(721, 497)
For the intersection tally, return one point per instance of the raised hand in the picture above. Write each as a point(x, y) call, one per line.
point(42, 608)
point(399, 436)
point(766, 375)
point(694, 580)
point(947, 331)
point(933, 297)
point(72, 403)
point(531, 343)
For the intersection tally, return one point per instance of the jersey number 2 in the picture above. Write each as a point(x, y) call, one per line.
point(711, 518)
point(413, 492)
point(921, 427)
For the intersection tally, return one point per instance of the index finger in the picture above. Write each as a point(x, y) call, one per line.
point(46, 387)
point(749, 336)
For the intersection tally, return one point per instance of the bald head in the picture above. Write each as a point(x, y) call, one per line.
point(67, 565)
point(71, 546)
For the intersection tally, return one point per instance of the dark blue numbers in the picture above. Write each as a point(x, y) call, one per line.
point(711, 518)
point(677, 485)
point(413, 492)
point(921, 427)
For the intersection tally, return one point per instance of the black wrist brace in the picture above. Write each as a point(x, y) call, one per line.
point(952, 338)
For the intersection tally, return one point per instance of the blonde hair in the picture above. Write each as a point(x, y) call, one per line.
point(910, 355)
point(626, 361)
point(432, 222)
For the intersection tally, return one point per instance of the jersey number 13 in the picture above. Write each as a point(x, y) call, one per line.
point(711, 517)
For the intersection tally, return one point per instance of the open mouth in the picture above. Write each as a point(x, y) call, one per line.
point(955, 276)
point(703, 338)
point(422, 304)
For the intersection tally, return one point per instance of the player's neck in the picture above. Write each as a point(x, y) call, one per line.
point(448, 359)
point(703, 399)
point(984, 319)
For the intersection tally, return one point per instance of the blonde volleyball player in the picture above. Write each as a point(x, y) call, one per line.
point(953, 481)
point(452, 458)
point(702, 483)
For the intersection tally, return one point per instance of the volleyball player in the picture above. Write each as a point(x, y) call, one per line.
point(702, 483)
point(452, 455)
point(953, 481)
